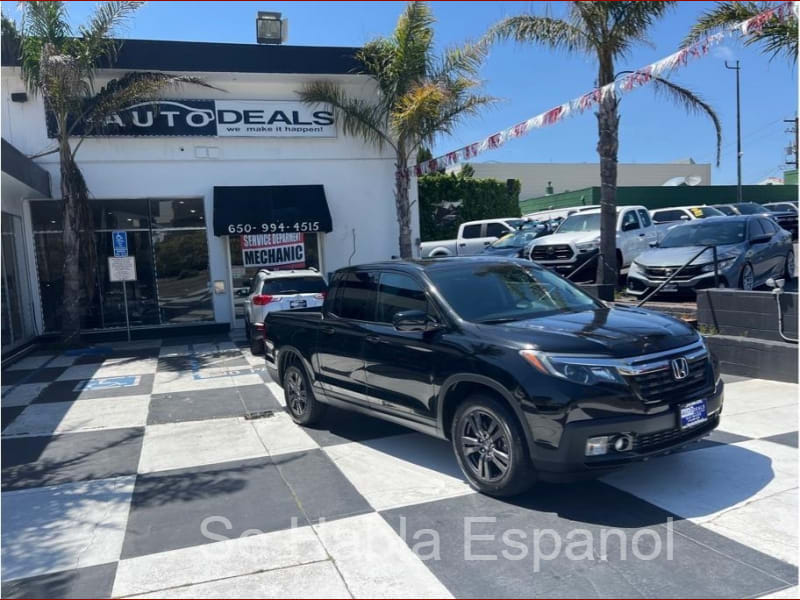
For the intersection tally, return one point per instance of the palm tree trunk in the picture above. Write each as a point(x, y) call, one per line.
point(607, 146)
point(403, 205)
point(74, 195)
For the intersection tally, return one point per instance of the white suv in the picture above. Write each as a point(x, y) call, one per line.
point(279, 290)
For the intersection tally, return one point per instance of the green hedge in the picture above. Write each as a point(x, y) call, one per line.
point(480, 199)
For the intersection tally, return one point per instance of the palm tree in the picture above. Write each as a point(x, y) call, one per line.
point(777, 36)
point(420, 97)
point(61, 65)
point(605, 31)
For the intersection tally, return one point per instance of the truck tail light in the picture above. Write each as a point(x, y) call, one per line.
point(262, 299)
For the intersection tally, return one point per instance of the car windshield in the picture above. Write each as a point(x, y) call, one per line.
point(705, 233)
point(749, 208)
point(514, 240)
point(726, 210)
point(495, 293)
point(294, 285)
point(580, 222)
point(701, 212)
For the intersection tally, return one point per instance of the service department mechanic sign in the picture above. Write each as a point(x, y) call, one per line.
point(285, 250)
point(212, 118)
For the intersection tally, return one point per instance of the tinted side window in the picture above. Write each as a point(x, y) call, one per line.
point(629, 221)
point(768, 225)
point(755, 228)
point(667, 216)
point(645, 217)
point(496, 229)
point(356, 297)
point(397, 293)
point(471, 231)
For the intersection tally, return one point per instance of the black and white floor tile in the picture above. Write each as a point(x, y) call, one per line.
point(138, 470)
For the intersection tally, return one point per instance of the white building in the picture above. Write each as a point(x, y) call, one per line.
point(537, 178)
point(187, 181)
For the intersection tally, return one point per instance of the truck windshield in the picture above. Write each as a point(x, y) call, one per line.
point(749, 208)
point(495, 293)
point(705, 233)
point(580, 222)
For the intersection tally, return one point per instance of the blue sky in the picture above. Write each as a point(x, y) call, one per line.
point(529, 79)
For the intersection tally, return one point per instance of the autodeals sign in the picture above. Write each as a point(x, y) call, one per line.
point(285, 250)
point(213, 118)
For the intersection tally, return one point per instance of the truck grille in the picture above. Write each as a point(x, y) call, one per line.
point(661, 273)
point(669, 437)
point(552, 252)
point(661, 386)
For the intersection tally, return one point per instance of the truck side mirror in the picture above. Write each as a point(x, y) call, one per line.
point(414, 320)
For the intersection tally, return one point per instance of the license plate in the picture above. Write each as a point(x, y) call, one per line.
point(297, 304)
point(670, 287)
point(692, 413)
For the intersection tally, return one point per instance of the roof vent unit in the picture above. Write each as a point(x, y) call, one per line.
point(270, 28)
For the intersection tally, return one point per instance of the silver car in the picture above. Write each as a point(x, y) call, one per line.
point(750, 250)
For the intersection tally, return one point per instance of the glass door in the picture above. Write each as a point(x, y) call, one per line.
point(17, 325)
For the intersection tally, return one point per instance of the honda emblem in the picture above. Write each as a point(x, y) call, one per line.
point(680, 368)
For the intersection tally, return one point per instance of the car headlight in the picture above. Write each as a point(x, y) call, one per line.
point(580, 370)
point(722, 264)
point(588, 246)
point(636, 267)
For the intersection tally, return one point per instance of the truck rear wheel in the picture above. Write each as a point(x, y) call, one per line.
point(301, 403)
point(489, 445)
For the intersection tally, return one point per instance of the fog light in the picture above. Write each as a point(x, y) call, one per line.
point(597, 446)
point(623, 443)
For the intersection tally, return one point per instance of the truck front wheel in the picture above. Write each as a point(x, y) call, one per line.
point(300, 401)
point(488, 443)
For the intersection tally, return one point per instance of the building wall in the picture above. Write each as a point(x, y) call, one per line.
point(576, 176)
point(358, 179)
point(664, 196)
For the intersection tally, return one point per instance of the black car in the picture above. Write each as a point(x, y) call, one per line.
point(528, 376)
point(787, 219)
point(514, 244)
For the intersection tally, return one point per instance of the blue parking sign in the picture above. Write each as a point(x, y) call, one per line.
point(120, 241)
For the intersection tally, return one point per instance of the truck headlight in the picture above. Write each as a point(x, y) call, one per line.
point(722, 264)
point(583, 371)
point(588, 246)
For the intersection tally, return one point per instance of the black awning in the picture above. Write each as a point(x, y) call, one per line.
point(270, 209)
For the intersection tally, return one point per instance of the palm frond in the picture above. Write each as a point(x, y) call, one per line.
point(42, 23)
point(412, 45)
point(131, 87)
point(776, 37)
point(451, 114)
point(97, 34)
point(692, 103)
point(10, 36)
point(555, 33)
point(358, 117)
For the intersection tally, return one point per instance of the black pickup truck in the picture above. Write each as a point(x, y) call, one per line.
point(527, 375)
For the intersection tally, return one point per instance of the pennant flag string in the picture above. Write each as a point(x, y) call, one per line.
point(661, 68)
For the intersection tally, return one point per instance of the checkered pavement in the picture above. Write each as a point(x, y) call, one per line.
point(169, 469)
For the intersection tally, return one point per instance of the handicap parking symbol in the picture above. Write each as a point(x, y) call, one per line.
point(107, 383)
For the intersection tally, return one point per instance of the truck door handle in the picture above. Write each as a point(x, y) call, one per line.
point(462, 244)
point(328, 330)
point(372, 339)
point(486, 243)
point(641, 235)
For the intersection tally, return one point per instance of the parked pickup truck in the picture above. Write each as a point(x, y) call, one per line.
point(528, 376)
point(577, 240)
point(473, 237)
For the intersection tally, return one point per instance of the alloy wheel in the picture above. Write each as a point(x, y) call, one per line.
point(485, 445)
point(296, 388)
point(747, 278)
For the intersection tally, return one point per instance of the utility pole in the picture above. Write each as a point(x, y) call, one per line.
point(738, 134)
point(794, 150)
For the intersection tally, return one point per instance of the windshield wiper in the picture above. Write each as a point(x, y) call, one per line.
point(498, 320)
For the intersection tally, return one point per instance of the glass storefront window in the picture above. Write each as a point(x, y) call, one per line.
point(184, 212)
point(16, 324)
point(181, 259)
point(168, 239)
